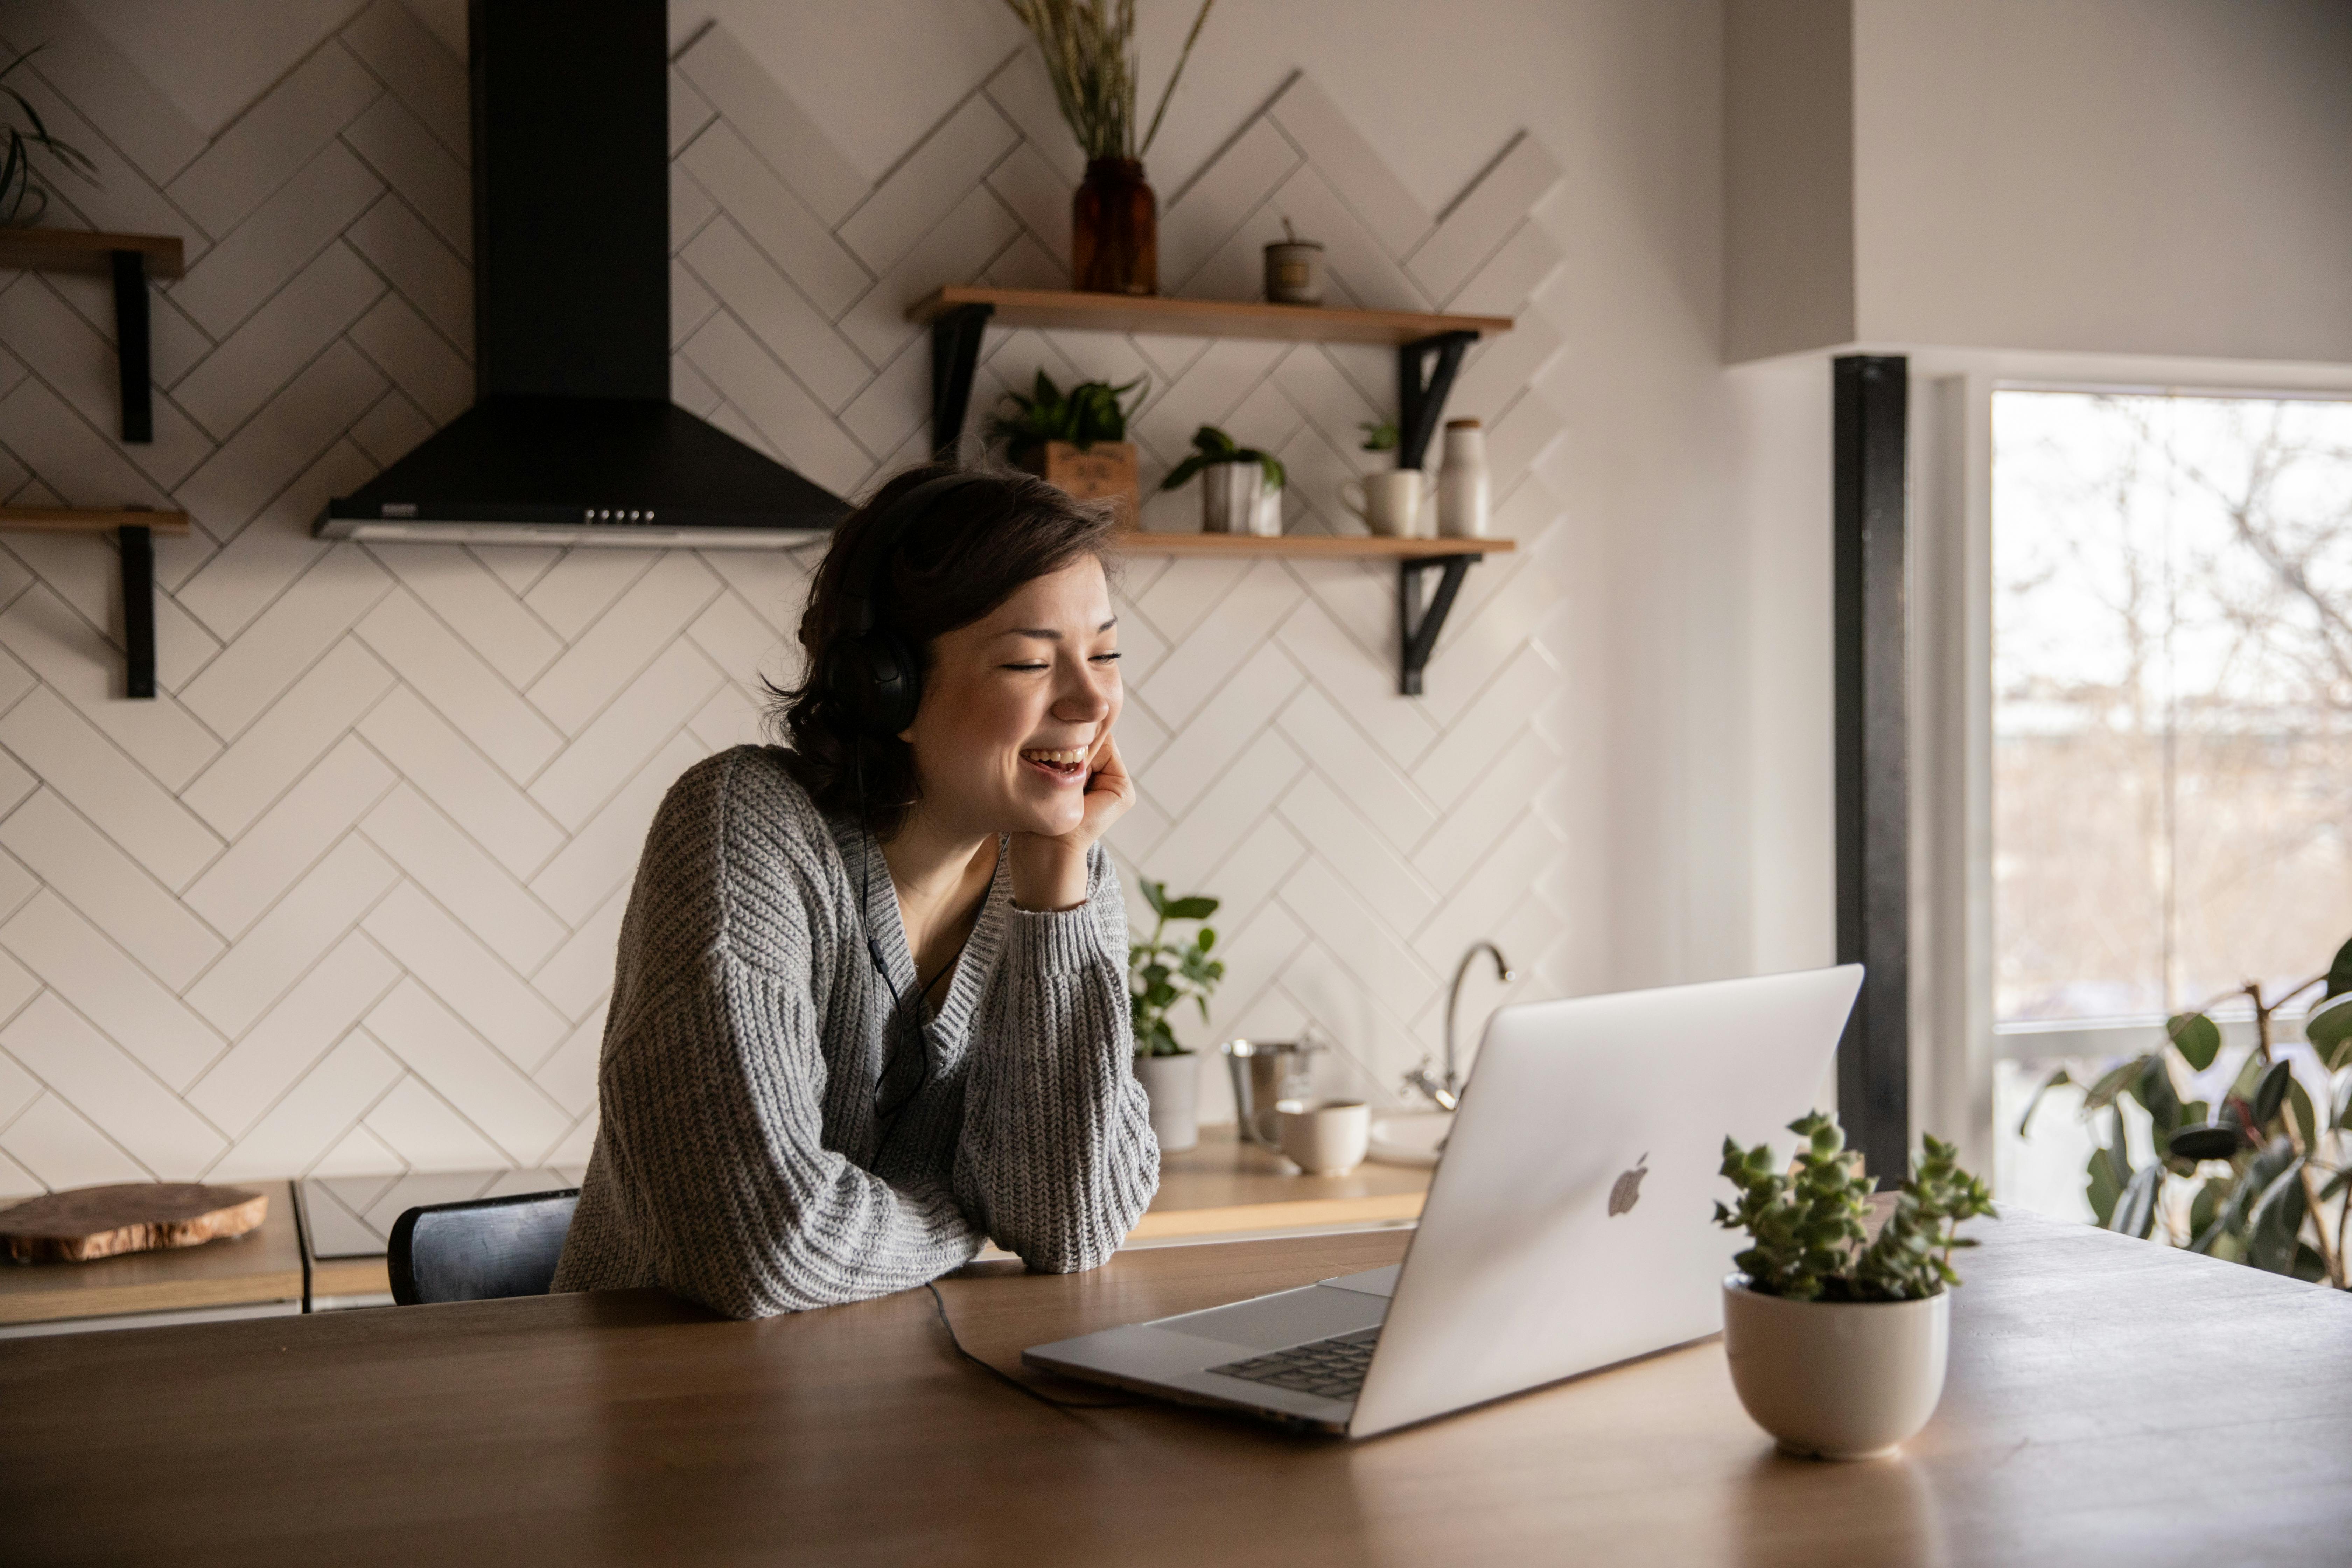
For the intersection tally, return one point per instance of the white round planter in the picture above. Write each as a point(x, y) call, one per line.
point(1172, 1085)
point(1840, 1380)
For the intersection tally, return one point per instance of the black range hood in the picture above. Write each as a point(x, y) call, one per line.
point(573, 438)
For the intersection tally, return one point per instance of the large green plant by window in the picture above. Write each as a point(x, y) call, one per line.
point(2260, 1176)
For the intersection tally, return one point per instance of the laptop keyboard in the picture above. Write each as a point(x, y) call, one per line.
point(1333, 1368)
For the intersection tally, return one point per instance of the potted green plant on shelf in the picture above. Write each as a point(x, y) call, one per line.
point(1093, 62)
point(1075, 440)
point(1241, 487)
point(1162, 974)
point(2257, 1175)
point(1837, 1339)
point(23, 197)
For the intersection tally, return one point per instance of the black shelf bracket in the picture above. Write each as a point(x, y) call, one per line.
point(137, 545)
point(1421, 391)
point(1418, 624)
point(130, 340)
point(955, 357)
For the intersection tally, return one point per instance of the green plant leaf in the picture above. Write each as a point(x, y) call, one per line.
point(2107, 1183)
point(2276, 1218)
point(2339, 972)
point(2196, 1036)
point(1196, 907)
point(2204, 1141)
point(2329, 1030)
point(2055, 1080)
point(2114, 1081)
point(2271, 1093)
point(2135, 1212)
point(2155, 1091)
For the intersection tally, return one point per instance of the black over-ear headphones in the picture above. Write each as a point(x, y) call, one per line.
point(874, 671)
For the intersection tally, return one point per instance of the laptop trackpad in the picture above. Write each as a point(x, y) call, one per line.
point(1286, 1318)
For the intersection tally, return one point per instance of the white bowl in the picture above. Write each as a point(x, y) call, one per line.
point(1410, 1137)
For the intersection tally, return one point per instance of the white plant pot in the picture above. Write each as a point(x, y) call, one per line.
point(1840, 1380)
point(1172, 1085)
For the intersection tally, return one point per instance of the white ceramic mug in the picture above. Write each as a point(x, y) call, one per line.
point(1389, 504)
point(1326, 1137)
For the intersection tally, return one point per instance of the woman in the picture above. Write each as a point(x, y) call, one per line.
point(871, 1006)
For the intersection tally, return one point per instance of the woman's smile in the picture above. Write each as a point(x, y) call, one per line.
point(1066, 765)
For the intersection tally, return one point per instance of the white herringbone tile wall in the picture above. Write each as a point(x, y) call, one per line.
point(343, 899)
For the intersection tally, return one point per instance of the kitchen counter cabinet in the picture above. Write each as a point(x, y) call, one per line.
point(251, 1275)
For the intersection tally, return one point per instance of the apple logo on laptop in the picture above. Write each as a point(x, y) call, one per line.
point(1627, 1190)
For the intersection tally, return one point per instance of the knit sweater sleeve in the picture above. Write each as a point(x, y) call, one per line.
point(1057, 1159)
point(712, 1118)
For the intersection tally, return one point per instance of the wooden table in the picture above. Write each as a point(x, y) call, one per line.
point(2110, 1402)
point(256, 1272)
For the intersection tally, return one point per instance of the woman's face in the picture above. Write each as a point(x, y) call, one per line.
point(1015, 706)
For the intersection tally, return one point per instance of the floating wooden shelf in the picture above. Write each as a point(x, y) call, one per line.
point(1428, 351)
point(131, 259)
point(1203, 318)
point(84, 251)
point(135, 531)
point(1311, 547)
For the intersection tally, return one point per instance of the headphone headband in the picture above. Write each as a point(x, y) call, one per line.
point(874, 672)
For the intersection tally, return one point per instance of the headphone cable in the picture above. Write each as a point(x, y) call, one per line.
point(998, 1373)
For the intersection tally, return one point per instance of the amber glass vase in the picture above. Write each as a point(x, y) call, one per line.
point(1115, 230)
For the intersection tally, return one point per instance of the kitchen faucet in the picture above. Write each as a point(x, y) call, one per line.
point(1446, 1093)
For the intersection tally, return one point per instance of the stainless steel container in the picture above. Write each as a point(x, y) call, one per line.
point(1229, 496)
point(1265, 1073)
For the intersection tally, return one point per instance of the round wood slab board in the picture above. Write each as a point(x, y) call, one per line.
point(132, 1216)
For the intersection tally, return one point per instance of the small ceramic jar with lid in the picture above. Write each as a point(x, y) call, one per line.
point(1463, 490)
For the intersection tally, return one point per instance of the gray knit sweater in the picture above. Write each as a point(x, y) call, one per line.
point(738, 1161)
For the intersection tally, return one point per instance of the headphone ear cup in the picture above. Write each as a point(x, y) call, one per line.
point(898, 688)
point(875, 676)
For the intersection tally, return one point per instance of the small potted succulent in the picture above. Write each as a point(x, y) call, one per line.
point(1241, 487)
point(1075, 440)
point(1837, 1339)
point(1162, 975)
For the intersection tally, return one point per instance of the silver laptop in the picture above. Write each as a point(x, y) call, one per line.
point(1568, 1225)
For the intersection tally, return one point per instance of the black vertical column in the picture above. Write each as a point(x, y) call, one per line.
point(1872, 635)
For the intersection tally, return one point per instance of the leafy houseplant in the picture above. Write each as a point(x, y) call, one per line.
point(1092, 60)
point(2259, 1177)
point(1837, 1339)
point(1076, 440)
point(1162, 975)
point(23, 198)
point(1235, 480)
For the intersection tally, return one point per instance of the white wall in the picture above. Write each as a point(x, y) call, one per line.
point(343, 899)
point(2105, 176)
point(2091, 176)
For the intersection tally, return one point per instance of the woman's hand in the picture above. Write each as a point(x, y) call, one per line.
point(1050, 873)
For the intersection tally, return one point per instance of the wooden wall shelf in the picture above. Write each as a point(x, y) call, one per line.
point(132, 258)
point(134, 531)
point(1428, 351)
point(1202, 318)
point(86, 250)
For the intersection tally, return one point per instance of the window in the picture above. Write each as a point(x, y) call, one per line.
point(2171, 711)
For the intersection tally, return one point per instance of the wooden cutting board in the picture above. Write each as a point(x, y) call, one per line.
point(85, 1222)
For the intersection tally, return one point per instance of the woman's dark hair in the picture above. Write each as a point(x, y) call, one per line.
point(972, 551)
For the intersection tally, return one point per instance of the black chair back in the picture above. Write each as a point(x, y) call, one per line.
point(477, 1250)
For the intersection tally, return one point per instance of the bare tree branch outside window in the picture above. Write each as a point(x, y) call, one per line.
point(2173, 697)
